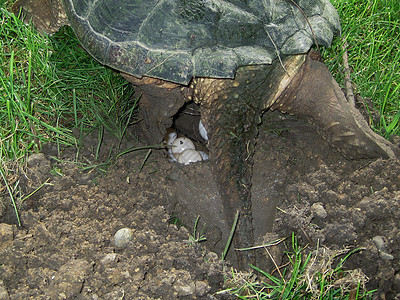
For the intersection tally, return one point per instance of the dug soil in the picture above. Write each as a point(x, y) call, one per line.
point(65, 248)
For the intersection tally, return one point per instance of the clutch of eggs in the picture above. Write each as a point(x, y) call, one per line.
point(183, 150)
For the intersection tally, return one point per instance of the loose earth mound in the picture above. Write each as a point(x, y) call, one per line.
point(65, 248)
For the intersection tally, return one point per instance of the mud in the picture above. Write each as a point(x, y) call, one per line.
point(65, 248)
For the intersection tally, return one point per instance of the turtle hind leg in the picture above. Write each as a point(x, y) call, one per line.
point(314, 95)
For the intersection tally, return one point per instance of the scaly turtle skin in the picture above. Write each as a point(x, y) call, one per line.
point(235, 58)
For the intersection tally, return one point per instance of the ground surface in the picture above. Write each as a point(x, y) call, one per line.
point(65, 249)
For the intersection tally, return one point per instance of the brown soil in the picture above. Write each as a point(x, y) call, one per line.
point(65, 248)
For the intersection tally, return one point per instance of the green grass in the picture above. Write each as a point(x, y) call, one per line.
point(311, 276)
point(97, 95)
point(372, 31)
point(27, 96)
point(50, 87)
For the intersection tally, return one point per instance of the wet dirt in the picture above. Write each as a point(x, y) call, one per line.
point(65, 248)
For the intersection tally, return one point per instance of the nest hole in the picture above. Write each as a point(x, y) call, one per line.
point(186, 123)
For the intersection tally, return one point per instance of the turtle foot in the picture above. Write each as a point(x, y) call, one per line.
point(314, 95)
point(46, 15)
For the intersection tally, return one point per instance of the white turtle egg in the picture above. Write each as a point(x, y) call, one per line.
point(181, 144)
point(204, 155)
point(169, 139)
point(203, 131)
point(171, 156)
point(188, 156)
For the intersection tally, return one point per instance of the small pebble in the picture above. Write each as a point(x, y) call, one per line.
point(319, 210)
point(385, 256)
point(109, 258)
point(122, 237)
point(380, 244)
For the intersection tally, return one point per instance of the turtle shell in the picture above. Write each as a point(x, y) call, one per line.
point(175, 40)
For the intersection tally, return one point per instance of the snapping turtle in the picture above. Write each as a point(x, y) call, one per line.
point(236, 59)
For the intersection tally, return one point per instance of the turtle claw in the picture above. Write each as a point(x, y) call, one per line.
point(314, 95)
